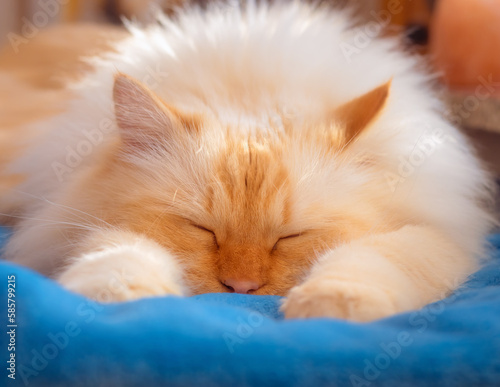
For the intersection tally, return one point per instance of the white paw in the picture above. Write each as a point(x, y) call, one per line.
point(339, 299)
point(121, 274)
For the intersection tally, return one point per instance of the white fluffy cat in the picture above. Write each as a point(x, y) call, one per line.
point(250, 149)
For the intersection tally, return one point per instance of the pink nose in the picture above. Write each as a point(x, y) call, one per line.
point(239, 286)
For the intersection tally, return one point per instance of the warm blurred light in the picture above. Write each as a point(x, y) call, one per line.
point(465, 41)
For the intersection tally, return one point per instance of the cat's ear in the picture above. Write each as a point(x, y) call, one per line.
point(358, 114)
point(142, 117)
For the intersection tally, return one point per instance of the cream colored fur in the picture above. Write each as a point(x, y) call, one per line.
point(265, 81)
point(128, 267)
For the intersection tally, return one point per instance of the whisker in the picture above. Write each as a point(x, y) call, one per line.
point(55, 222)
point(72, 210)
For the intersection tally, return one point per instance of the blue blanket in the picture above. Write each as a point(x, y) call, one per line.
point(63, 339)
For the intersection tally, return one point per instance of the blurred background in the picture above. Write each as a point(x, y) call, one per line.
point(461, 39)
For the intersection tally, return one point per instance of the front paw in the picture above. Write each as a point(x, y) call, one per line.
point(115, 286)
point(122, 274)
point(339, 299)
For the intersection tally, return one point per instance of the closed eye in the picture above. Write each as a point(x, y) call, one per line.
point(284, 238)
point(206, 230)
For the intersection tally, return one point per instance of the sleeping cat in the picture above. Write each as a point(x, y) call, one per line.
point(243, 149)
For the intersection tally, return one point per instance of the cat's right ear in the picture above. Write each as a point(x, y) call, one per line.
point(357, 114)
point(143, 119)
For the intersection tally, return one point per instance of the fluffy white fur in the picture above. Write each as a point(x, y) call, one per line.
point(126, 269)
point(286, 59)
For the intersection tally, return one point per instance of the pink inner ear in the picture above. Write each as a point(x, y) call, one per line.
point(141, 116)
point(359, 113)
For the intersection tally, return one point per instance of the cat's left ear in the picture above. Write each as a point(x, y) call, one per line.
point(357, 114)
point(143, 119)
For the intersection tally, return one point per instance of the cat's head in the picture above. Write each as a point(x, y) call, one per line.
point(243, 210)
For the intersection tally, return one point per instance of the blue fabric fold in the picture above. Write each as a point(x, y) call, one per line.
point(63, 339)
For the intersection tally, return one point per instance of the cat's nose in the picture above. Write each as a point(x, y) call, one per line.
point(241, 286)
